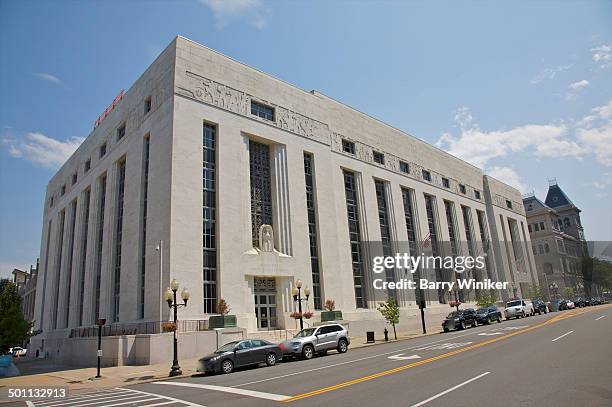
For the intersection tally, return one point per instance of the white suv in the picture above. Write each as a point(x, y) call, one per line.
point(320, 339)
point(518, 309)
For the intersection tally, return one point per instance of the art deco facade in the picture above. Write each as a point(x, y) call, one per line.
point(250, 184)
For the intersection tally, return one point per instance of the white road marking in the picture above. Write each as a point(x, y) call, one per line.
point(242, 392)
point(491, 334)
point(130, 402)
point(510, 328)
point(83, 399)
point(190, 404)
point(96, 402)
point(400, 356)
point(597, 319)
point(444, 346)
point(449, 390)
point(565, 334)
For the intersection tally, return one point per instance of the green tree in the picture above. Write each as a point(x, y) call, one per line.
point(13, 328)
point(569, 292)
point(486, 299)
point(390, 311)
point(536, 292)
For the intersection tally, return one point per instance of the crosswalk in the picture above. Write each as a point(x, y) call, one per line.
point(114, 398)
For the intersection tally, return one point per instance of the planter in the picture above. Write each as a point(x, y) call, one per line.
point(222, 321)
point(331, 316)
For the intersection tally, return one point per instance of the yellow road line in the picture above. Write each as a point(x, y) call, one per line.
point(557, 318)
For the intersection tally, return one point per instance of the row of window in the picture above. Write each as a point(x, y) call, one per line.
point(102, 149)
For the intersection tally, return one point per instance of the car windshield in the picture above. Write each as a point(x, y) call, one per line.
point(227, 347)
point(483, 310)
point(513, 304)
point(454, 314)
point(305, 332)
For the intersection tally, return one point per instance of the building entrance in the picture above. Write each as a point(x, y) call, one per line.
point(265, 303)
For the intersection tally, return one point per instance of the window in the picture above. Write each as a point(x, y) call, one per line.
point(445, 183)
point(410, 219)
point(379, 158)
point(546, 248)
point(536, 227)
point(88, 165)
point(68, 272)
point(509, 204)
point(566, 222)
point(450, 221)
point(209, 220)
point(433, 237)
point(51, 202)
point(99, 243)
point(542, 226)
point(63, 190)
point(75, 177)
point(143, 217)
point(147, 105)
point(426, 175)
point(102, 150)
point(541, 249)
point(348, 146)
point(263, 111)
point(385, 228)
point(404, 167)
point(529, 228)
point(352, 212)
point(462, 188)
point(535, 251)
point(312, 230)
point(58, 267)
point(261, 188)
point(83, 264)
point(118, 240)
point(121, 132)
point(477, 194)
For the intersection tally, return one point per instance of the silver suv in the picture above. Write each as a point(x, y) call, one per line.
point(319, 339)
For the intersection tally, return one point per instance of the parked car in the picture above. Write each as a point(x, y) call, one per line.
point(570, 304)
point(518, 308)
point(319, 339)
point(240, 353)
point(563, 305)
point(580, 302)
point(17, 351)
point(488, 314)
point(459, 319)
point(539, 306)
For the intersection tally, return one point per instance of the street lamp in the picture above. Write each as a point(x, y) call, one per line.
point(554, 287)
point(100, 322)
point(170, 297)
point(297, 297)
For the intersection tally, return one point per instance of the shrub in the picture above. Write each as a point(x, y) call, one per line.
point(223, 307)
point(330, 305)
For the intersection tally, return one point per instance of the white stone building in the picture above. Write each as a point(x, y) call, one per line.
point(201, 152)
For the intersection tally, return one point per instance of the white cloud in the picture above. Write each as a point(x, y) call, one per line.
point(226, 11)
point(548, 73)
point(602, 55)
point(579, 85)
point(42, 150)
point(507, 175)
point(589, 137)
point(606, 180)
point(48, 77)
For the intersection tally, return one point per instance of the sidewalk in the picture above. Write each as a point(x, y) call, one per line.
point(82, 379)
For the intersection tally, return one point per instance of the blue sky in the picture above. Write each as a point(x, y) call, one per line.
point(522, 90)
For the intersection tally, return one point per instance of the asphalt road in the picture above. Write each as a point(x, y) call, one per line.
point(559, 359)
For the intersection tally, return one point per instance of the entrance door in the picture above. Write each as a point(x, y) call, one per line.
point(265, 309)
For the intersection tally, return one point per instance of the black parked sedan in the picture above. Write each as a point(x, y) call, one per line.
point(539, 306)
point(240, 353)
point(459, 319)
point(488, 314)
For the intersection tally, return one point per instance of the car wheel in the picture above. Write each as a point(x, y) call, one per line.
point(307, 351)
point(271, 359)
point(489, 321)
point(462, 326)
point(445, 329)
point(474, 324)
point(227, 366)
point(342, 346)
point(499, 319)
point(522, 314)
